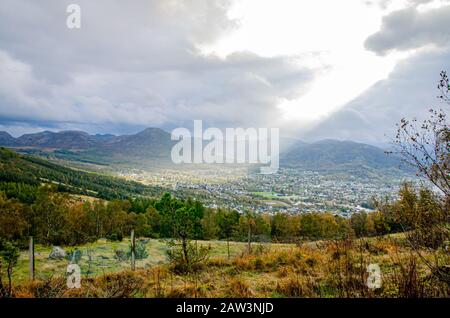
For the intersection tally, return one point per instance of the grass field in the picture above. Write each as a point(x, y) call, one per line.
point(337, 268)
point(100, 257)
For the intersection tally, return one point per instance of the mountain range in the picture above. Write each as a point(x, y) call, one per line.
point(149, 145)
point(77, 140)
point(154, 145)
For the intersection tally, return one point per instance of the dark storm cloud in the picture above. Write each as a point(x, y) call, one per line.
point(408, 29)
point(133, 64)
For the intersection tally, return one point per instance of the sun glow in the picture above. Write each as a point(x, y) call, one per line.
point(326, 36)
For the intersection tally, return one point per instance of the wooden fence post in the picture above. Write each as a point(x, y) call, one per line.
point(133, 250)
point(31, 258)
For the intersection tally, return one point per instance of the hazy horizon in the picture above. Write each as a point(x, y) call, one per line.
point(386, 144)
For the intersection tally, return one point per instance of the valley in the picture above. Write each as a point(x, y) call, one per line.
point(341, 177)
point(292, 191)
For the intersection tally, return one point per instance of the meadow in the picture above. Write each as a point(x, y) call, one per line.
point(100, 257)
point(313, 269)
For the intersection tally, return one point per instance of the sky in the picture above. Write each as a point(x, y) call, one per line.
point(315, 68)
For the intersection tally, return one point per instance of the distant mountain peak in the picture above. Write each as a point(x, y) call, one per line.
point(5, 133)
point(68, 139)
point(6, 139)
point(151, 130)
point(73, 132)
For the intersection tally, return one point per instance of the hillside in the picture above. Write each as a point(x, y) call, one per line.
point(150, 145)
point(314, 269)
point(63, 139)
point(6, 139)
point(24, 169)
point(334, 155)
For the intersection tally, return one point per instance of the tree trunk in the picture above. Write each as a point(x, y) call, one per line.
point(31, 258)
point(2, 288)
point(133, 251)
point(249, 242)
point(185, 249)
point(9, 271)
point(97, 225)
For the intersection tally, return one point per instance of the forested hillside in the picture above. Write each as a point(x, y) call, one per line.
point(19, 174)
point(335, 155)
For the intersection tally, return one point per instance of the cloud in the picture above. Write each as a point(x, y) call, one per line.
point(142, 64)
point(409, 91)
point(132, 66)
point(410, 88)
point(409, 29)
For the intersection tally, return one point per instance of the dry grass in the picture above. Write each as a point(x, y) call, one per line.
point(325, 269)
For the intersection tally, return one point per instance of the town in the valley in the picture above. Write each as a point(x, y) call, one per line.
point(291, 191)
